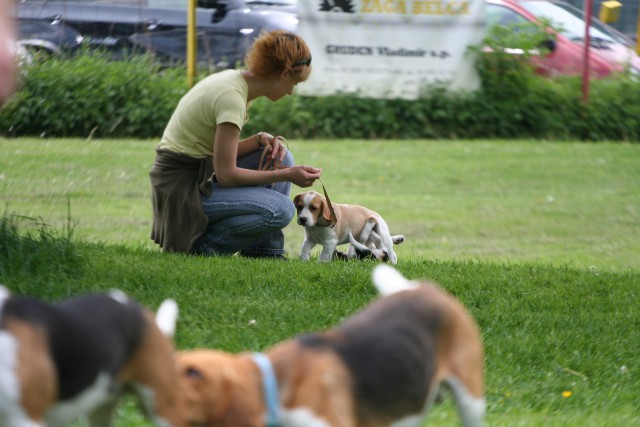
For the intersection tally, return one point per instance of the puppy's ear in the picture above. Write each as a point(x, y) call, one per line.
point(206, 395)
point(364, 253)
point(245, 410)
point(194, 394)
point(326, 212)
point(297, 201)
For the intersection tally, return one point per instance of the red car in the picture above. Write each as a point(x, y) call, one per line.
point(610, 51)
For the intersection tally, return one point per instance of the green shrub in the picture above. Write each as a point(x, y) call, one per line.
point(29, 248)
point(91, 96)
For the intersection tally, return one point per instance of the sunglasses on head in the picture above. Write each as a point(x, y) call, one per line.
point(306, 62)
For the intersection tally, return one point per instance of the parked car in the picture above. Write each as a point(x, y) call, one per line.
point(225, 28)
point(50, 36)
point(610, 51)
point(627, 22)
point(22, 55)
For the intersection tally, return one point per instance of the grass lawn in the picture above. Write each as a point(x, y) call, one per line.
point(570, 204)
point(541, 241)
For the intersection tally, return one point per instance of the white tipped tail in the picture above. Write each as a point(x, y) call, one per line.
point(4, 293)
point(389, 281)
point(119, 296)
point(167, 317)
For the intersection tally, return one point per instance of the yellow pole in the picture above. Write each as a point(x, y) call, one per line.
point(191, 42)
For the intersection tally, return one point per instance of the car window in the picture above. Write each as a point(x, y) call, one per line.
point(141, 3)
point(569, 21)
point(108, 2)
point(500, 15)
point(168, 3)
point(274, 2)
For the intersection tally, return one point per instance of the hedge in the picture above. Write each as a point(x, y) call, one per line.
point(93, 96)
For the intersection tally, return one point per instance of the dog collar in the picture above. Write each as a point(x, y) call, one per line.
point(269, 388)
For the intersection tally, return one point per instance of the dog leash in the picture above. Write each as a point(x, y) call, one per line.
point(269, 389)
point(271, 164)
point(266, 163)
point(334, 218)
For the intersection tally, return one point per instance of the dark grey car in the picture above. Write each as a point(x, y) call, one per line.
point(225, 28)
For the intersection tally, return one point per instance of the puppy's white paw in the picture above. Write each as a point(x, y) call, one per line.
point(397, 239)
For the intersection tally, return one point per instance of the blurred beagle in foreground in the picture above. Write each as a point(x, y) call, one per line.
point(75, 359)
point(383, 366)
point(365, 230)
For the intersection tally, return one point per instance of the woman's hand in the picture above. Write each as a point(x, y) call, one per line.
point(277, 149)
point(303, 175)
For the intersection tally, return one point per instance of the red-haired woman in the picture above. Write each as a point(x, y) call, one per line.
point(240, 208)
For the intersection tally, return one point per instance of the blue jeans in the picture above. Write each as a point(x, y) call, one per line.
point(248, 219)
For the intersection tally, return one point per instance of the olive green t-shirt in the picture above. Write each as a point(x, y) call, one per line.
point(218, 98)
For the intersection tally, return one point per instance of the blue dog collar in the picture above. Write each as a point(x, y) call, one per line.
point(269, 388)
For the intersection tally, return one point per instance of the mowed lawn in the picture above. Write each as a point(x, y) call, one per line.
point(539, 240)
point(566, 203)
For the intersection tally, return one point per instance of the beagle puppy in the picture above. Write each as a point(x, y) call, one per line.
point(74, 359)
point(384, 366)
point(365, 230)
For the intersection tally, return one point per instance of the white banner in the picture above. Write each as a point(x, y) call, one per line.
point(390, 48)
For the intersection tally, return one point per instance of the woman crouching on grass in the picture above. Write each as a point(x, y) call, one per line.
point(209, 194)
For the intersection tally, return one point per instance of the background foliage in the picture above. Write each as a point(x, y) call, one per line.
point(92, 96)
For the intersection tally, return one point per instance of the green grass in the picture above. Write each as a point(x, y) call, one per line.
point(567, 203)
point(539, 241)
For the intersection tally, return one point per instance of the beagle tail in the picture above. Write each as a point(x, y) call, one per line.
point(388, 280)
point(4, 295)
point(167, 317)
